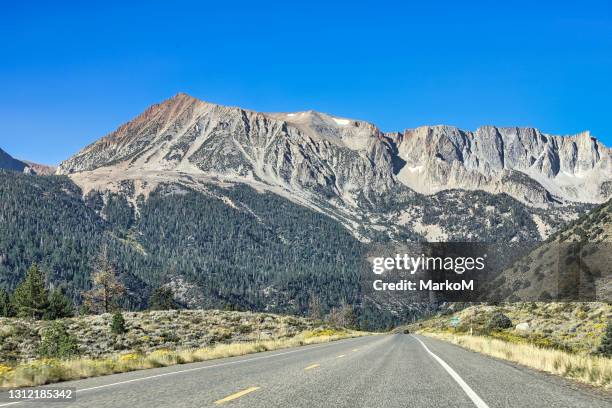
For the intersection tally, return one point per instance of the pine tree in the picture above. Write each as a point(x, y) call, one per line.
point(30, 297)
point(118, 324)
point(605, 348)
point(6, 309)
point(162, 298)
point(59, 306)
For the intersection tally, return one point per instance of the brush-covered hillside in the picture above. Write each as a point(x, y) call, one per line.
point(43, 352)
point(23, 339)
point(573, 327)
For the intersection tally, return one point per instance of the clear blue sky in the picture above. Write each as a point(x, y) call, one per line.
point(70, 73)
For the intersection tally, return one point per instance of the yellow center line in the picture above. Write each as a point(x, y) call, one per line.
point(341, 355)
point(310, 367)
point(236, 395)
point(355, 349)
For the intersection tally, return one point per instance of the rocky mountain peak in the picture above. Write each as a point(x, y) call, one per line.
point(313, 153)
point(528, 164)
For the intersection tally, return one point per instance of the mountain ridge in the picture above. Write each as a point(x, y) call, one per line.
point(8, 162)
point(312, 151)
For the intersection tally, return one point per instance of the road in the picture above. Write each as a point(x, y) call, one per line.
point(387, 371)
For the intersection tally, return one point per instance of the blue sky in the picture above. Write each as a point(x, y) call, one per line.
point(72, 72)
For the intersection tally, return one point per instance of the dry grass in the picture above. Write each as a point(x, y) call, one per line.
point(47, 371)
point(574, 326)
point(593, 370)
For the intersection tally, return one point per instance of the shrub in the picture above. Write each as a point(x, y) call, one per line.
point(605, 348)
point(57, 342)
point(499, 321)
point(118, 324)
point(171, 337)
point(4, 369)
point(245, 329)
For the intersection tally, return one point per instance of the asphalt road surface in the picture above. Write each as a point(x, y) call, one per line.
point(377, 371)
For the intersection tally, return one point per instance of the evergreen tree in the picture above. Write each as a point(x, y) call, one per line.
point(118, 324)
point(59, 306)
point(6, 309)
point(162, 298)
point(605, 348)
point(56, 342)
point(30, 298)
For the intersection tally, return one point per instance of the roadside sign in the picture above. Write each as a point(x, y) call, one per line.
point(454, 321)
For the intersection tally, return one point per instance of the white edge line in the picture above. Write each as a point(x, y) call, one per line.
point(300, 348)
point(466, 388)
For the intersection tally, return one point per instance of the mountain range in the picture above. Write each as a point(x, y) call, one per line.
point(7, 162)
point(344, 167)
point(314, 152)
point(237, 208)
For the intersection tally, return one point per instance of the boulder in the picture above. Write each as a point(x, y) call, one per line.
point(522, 327)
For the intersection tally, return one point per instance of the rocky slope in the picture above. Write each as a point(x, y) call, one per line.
point(522, 162)
point(7, 162)
point(346, 168)
point(340, 158)
point(183, 135)
point(41, 169)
